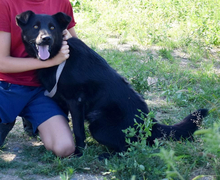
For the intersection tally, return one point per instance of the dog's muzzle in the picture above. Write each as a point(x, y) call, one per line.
point(43, 43)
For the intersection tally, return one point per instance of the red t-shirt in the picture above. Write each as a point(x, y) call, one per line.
point(8, 10)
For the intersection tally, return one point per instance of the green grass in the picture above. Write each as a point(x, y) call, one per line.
point(174, 42)
point(191, 25)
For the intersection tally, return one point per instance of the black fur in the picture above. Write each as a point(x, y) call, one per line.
point(92, 90)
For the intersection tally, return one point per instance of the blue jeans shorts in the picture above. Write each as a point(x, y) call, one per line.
point(28, 102)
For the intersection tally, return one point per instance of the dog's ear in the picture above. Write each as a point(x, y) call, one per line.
point(22, 19)
point(62, 19)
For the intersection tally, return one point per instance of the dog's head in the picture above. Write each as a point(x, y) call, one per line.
point(42, 34)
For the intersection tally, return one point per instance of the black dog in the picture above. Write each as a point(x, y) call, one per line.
point(90, 89)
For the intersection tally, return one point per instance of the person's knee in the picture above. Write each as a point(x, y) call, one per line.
point(57, 136)
point(62, 149)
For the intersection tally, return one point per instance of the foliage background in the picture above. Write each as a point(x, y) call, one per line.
point(169, 51)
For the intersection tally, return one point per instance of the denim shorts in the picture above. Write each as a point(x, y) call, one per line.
point(28, 102)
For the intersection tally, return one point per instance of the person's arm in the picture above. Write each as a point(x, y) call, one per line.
point(10, 64)
point(72, 32)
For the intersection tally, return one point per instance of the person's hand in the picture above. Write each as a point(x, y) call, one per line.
point(62, 55)
point(66, 35)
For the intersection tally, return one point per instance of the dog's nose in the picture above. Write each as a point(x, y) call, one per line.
point(46, 39)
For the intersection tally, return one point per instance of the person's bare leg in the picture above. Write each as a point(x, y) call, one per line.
point(57, 137)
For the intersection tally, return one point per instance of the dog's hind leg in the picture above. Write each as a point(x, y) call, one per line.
point(108, 135)
point(181, 130)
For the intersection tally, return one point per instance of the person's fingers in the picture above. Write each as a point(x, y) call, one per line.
point(66, 35)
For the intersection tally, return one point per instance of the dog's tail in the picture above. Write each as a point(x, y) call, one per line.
point(181, 130)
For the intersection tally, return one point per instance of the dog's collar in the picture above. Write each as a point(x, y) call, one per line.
point(58, 73)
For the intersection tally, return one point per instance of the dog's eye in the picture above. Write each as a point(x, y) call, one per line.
point(52, 27)
point(36, 27)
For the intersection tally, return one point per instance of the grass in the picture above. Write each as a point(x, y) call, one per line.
point(173, 42)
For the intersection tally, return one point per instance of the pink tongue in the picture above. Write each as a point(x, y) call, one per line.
point(43, 52)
